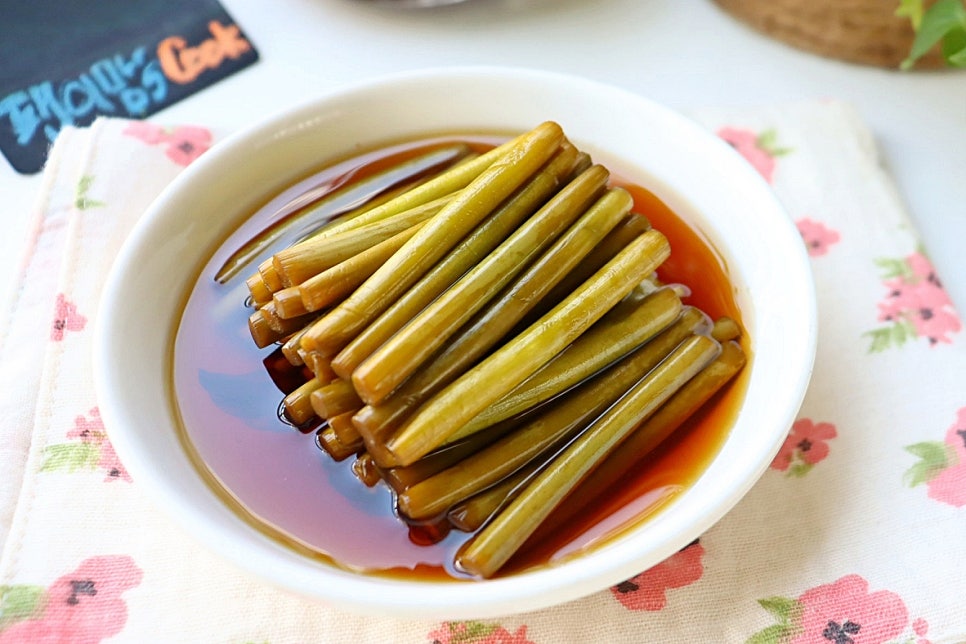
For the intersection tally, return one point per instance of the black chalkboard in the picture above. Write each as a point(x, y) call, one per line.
point(66, 62)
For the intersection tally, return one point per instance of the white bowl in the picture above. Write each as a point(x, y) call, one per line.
point(697, 175)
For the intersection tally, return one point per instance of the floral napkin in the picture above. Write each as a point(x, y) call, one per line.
point(853, 536)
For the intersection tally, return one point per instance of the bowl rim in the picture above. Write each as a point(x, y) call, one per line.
point(529, 590)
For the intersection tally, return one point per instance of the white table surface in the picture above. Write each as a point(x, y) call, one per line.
point(683, 53)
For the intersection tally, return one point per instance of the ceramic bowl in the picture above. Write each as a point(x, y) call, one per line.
point(699, 176)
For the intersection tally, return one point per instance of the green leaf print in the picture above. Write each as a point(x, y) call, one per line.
point(18, 603)
point(934, 457)
point(880, 340)
point(892, 268)
point(776, 634)
point(903, 331)
point(81, 200)
point(768, 141)
point(892, 335)
point(787, 610)
point(473, 632)
point(71, 457)
point(799, 469)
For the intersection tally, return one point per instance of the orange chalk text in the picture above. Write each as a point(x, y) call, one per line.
point(183, 64)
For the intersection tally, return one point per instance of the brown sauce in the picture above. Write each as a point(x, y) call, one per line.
point(277, 478)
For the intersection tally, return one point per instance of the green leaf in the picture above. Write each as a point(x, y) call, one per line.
point(86, 204)
point(957, 59)
point(881, 339)
point(84, 184)
point(911, 9)
point(954, 47)
point(799, 469)
point(777, 634)
point(934, 452)
point(785, 609)
point(71, 457)
point(475, 631)
point(937, 21)
point(900, 332)
point(893, 268)
point(767, 138)
point(21, 602)
point(934, 457)
point(81, 202)
point(768, 141)
point(918, 474)
point(891, 335)
point(910, 328)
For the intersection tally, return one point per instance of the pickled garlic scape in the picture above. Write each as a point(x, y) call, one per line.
point(500, 342)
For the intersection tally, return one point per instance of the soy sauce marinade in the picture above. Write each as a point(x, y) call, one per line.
point(277, 478)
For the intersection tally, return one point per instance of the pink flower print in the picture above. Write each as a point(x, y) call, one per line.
point(89, 450)
point(816, 236)
point(923, 303)
point(89, 429)
point(66, 318)
point(921, 627)
point(805, 445)
point(477, 633)
point(648, 590)
point(111, 464)
point(956, 435)
point(942, 465)
point(916, 306)
point(185, 144)
point(760, 150)
point(949, 485)
point(845, 612)
point(148, 132)
point(82, 607)
point(181, 144)
point(920, 266)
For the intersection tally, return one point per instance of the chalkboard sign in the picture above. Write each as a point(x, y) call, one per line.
point(66, 62)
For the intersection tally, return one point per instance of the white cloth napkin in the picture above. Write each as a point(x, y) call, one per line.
point(852, 536)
